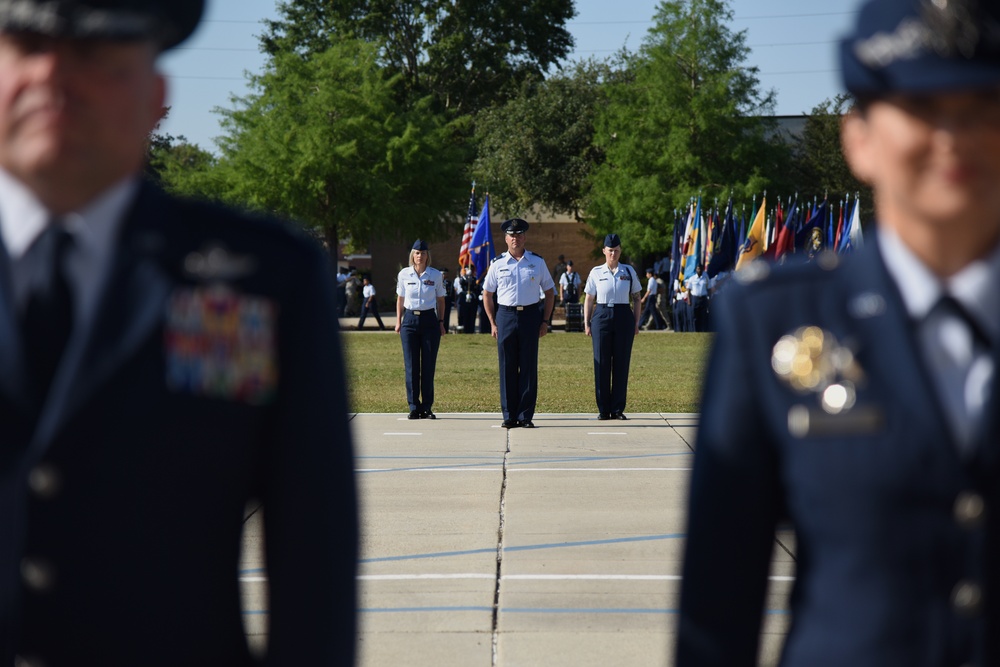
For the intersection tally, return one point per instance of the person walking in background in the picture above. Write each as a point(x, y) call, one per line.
point(649, 312)
point(517, 322)
point(855, 397)
point(369, 304)
point(163, 363)
point(420, 325)
point(612, 322)
point(352, 294)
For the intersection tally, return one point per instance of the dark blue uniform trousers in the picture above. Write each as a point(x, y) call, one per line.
point(517, 346)
point(612, 330)
point(421, 336)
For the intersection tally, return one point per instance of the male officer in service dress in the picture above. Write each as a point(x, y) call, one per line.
point(516, 321)
point(857, 399)
point(162, 363)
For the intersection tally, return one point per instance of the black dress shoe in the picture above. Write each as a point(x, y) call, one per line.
point(414, 415)
point(509, 423)
point(526, 424)
point(427, 414)
point(619, 415)
point(604, 416)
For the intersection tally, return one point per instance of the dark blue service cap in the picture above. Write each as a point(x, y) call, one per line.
point(612, 241)
point(514, 226)
point(164, 22)
point(649, 270)
point(419, 245)
point(922, 46)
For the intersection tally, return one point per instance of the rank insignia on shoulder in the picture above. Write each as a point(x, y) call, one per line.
point(812, 361)
point(221, 344)
point(214, 262)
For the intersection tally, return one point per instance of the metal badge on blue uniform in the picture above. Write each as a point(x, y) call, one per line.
point(812, 361)
point(221, 344)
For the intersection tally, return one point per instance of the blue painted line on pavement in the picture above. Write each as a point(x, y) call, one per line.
point(528, 547)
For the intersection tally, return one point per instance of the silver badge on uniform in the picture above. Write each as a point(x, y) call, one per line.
point(221, 343)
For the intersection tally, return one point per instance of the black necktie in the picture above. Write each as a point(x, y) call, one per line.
point(48, 315)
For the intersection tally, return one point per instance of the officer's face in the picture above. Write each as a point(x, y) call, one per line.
point(75, 114)
point(612, 254)
point(931, 159)
point(515, 242)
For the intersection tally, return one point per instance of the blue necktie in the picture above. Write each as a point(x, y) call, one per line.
point(48, 314)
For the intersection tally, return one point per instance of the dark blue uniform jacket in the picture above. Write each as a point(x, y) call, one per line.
point(897, 534)
point(129, 493)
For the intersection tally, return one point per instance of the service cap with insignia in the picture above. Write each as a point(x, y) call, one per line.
point(514, 226)
point(419, 245)
point(164, 22)
point(612, 241)
point(922, 46)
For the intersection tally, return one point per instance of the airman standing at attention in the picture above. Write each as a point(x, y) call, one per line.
point(517, 323)
point(611, 318)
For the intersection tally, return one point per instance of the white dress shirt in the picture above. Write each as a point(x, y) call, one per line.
point(420, 291)
point(518, 282)
point(612, 287)
point(946, 340)
point(94, 229)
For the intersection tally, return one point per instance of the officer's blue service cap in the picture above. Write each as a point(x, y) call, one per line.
point(922, 46)
point(164, 22)
point(419, 245)
point(514, 226)
point(650, 270)
point(612, 241)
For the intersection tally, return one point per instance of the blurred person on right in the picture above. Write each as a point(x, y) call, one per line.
point(853, 397)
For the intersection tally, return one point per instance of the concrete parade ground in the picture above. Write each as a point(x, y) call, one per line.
point(558, 546)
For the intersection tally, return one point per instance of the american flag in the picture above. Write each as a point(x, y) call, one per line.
point(464, 256)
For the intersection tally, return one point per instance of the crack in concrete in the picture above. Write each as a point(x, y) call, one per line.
point(500, 533)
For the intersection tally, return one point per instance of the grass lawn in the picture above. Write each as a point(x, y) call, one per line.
point(665, 375)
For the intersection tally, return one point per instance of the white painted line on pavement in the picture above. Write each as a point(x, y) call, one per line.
point(607, 433)
point(498, 469)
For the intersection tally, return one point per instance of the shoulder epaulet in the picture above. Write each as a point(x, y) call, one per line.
point(535, 254)
point(503, 254)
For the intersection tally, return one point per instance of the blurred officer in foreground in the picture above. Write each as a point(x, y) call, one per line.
point(162, 363)
point(420, 325)
point(857, 399)
point(516, 321)
point(612, 322)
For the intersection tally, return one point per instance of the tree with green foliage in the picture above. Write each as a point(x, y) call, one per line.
point(466, 53)
point(692, 121)
point(324, 140)
point(819, 163)
point(179, 165)
point(538, 148)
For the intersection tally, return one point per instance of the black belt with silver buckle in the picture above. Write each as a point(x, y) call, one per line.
point(422, 312)
point(519, 307)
